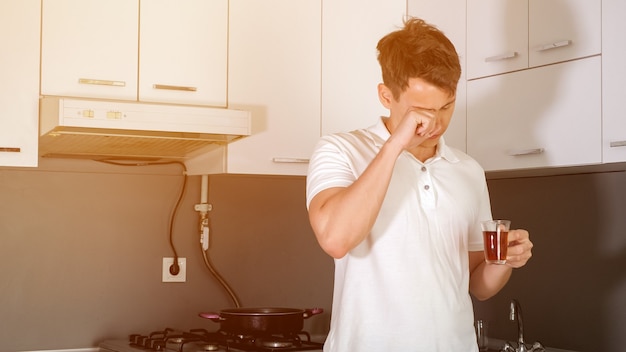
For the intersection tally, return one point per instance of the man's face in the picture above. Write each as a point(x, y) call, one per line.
point(429, 99)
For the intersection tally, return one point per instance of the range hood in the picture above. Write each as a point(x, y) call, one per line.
point(102, 129)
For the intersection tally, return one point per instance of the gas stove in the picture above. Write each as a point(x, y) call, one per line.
point(201, 340)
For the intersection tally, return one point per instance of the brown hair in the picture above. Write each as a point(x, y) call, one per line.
point(419, 50)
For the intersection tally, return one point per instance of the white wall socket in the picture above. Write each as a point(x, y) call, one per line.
point(182, 275)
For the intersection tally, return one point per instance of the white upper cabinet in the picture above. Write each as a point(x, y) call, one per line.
point(182, 48)
point(159, 51)
point(561, 30)
point(545, 117)
point(19, 89)
point(613, 78)
point(497, 36)
point(350, 70)
point(509, 35)
point(274, 72)
point(89, 48)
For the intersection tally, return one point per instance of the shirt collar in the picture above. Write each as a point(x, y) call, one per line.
point(380, 134)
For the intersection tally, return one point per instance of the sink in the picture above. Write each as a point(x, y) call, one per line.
point(496, 344)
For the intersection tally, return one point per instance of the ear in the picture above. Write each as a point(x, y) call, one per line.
point(384, 95)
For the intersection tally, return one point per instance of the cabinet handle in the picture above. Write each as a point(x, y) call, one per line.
point(504, 56)
point(10, 149)
point(101, 82)
point(290, 160)
point(554, 45)
point(169, 87)
point(618, 144)
point(520, 152)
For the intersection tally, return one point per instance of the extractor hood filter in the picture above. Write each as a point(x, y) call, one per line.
point(100, 129)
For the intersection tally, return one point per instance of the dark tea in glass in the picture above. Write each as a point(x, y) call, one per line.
point(495, 237)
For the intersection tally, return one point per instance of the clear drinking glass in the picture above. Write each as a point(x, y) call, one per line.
point(495, 235)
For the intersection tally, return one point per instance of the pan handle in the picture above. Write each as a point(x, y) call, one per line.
point(210, 315)
point(311, 312)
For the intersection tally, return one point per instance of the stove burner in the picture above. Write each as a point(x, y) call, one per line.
point(210, 347)
point(201, 340)
point(275, 344)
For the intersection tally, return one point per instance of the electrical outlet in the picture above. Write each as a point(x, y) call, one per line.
point(182, 274)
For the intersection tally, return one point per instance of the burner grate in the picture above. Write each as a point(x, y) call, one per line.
point(273, 342)
point(202, 340)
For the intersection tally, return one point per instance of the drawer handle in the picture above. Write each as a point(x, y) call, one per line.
point(505, 56)
point(554, 45)
point(617, 144)
point(10, 149)
point(290, 160)
point(521, 152)
point(169, 87)
point(101, 82)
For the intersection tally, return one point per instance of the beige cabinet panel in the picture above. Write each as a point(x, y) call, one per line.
point(183, 51)
point(19, 91)
point(159, 51)
point(350, 70)
point(274, 72)
point(89, 48)
point(545, 117)
point(509, 35)
point(497, 36)
point(613, 79)
point(561, 30)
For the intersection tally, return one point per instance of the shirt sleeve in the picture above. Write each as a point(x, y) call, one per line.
point(329, 167)
point(484, 213)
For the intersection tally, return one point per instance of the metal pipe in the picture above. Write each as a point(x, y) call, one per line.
point(515, 313)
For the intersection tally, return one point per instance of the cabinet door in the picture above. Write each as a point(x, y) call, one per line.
point(274, 71)
point(548, 116)
point(89, 48)
point(350, 69)
point(19, 91)
point(561, 30)
point(450, 17)
point(613, 78)
point(497, 36)
point(183, 51)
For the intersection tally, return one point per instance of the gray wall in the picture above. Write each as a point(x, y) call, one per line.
point(81, 250)
point(573, 290)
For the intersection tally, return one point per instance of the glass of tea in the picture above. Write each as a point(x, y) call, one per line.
point(496, 240)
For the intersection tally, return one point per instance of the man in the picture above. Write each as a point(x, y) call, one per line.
point(400, 211)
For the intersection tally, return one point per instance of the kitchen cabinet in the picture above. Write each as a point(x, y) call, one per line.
point(545, 117)
point(350, 70)
point(450, 17)
point(19, 91)
point(274, 72)
point(613, 78)
point(183, 51)
point(159, 50)
point(89, 48)
point(509, 35)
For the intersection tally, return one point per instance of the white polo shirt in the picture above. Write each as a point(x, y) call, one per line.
point(406, 287)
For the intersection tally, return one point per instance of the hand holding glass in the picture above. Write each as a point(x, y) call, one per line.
point(496, 240)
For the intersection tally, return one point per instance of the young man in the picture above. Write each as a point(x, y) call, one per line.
point(400, 212)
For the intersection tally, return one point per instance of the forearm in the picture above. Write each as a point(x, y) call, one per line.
point(343, 218)
point(488, 279)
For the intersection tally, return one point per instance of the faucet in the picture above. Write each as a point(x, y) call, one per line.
point(515, 314)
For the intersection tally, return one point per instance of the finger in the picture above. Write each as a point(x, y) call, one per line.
point(423, 121)
point(519, 254)
point(518, 235)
